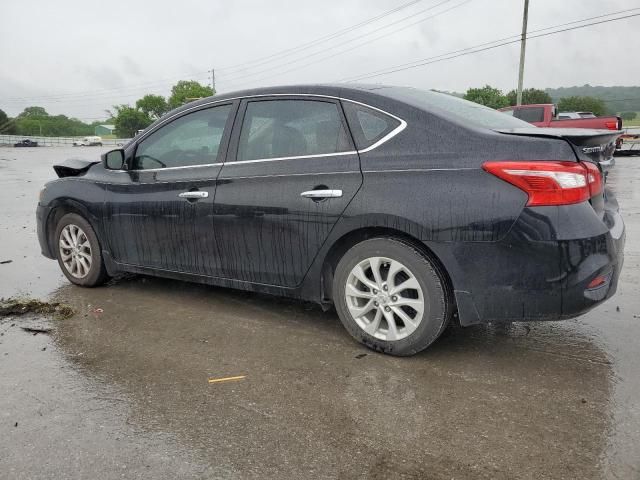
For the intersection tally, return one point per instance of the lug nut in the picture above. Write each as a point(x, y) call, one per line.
point(394, 298)
point(375, 292)
point(385, 288)
point(386, 309)
point(375, 303)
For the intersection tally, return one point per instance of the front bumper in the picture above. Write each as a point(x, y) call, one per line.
point(42, 216)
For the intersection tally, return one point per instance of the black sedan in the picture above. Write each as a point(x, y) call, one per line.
point(402, 208)
point(26, 143)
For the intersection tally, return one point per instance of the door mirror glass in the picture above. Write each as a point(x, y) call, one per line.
point(114, 160)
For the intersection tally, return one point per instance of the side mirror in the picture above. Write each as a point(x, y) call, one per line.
point(114, 160)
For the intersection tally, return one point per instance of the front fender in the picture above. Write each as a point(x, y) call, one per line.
point(71, 195)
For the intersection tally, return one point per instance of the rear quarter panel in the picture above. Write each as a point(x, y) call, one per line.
point(430, 177)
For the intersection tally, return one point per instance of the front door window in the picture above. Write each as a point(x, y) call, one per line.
point(190, 140)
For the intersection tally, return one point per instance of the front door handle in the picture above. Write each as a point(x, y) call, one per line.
point(322, 194)
point(195, 194)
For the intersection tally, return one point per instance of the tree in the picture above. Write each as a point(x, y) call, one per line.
point(487, 95)
point(129, 120)
point(582, 104)
point(624, 115)
point(153, 105)
point(7, 125)
point(185, 90)
point(529, 96)
point(34, 112)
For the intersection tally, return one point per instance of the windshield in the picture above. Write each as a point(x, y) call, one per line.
point(449, 106)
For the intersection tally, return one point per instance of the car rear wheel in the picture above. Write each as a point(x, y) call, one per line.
point(78, 251)
point(391, 297)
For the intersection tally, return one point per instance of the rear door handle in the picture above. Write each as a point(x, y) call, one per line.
point(322, 194)
point(196, 194)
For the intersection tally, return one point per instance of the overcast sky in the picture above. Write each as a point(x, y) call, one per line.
point(79, 58)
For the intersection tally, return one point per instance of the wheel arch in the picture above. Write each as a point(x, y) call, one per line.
point(59, 209)
point(353, 237)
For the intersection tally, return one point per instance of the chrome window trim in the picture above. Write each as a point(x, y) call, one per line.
point(386, 138)
point(182, 167)
point(167, 168)
point(277, 159)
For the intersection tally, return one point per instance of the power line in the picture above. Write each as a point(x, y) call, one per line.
point(500, 40)
point(105, 93)
point(262, 60)
point(135, 92)
point(366, 34)
point(422, 20)
point(359, 44)
point(89, 93)
point(475, 49)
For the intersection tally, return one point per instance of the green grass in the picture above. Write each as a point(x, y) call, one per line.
point(20, 306)
point(632, 123)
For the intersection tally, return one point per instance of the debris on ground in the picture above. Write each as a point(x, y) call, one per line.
point(36, 330)
point(226, 379)
point(360, 355)
point(5, 261)
point(22, 306)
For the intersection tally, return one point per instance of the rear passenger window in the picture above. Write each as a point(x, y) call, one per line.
point(291, 128)
point(531, 115)
point(368, 125)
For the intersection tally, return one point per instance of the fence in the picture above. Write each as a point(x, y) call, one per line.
point(55, 141)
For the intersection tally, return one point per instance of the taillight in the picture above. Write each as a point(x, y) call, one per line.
point(594, 178)
point(612, 125)
point(550, 183)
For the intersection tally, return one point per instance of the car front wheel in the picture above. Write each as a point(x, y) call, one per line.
point(391, 297)
point(78, 251)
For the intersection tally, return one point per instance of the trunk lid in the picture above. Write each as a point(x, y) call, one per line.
point(589, 145)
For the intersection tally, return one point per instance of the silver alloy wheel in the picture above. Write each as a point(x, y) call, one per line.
point(75, 251)
point(384, 298)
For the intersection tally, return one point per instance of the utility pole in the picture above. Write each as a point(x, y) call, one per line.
point(213, 79)
point(523, 47)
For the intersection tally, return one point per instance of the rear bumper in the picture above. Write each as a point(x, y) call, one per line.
point(541, 270)
point(42, 215)
point(598, 259)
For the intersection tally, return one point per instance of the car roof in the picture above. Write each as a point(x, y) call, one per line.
point(331, 90)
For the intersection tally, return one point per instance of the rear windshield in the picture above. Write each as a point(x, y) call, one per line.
point(455, 108)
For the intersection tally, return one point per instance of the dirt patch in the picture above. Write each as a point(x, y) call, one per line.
point(22, 306)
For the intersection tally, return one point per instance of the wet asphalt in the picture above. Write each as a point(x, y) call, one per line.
point(121, 389)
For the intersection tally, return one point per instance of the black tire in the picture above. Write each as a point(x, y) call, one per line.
point(97, 273)
point(438, 306)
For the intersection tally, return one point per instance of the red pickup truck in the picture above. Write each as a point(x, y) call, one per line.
point(544, 115)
